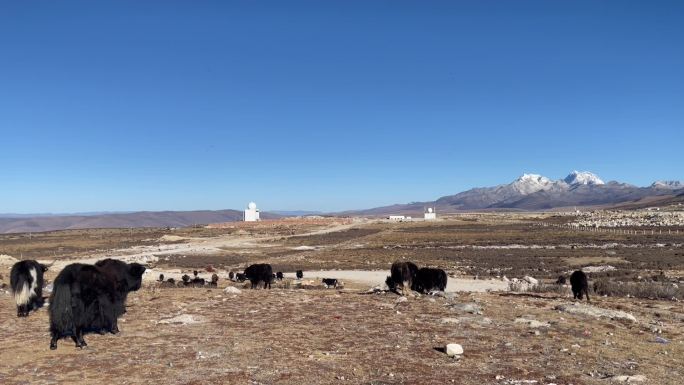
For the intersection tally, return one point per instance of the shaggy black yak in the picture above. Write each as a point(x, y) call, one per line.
point(429, 279)
point(402, 275)
point(259, 272)
point(580, 285)
point(90, 298)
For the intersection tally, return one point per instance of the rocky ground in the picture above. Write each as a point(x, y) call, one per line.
point(309, 335)
point(281, 336)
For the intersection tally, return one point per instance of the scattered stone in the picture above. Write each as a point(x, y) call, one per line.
point(530, 280)
point(532, 323)
point(401, 299)
point(449, 320)
point(232, 290)
point(597, 312)
point(183, 319)
point(454, 350)
point(463, 308)
point(628, 379)
point(661, 340)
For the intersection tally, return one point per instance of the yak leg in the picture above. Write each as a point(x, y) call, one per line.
point(53, 341)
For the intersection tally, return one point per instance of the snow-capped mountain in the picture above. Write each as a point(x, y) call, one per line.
point(529, 183)
point(668, 184)
point(536, 192)
point(582, 178)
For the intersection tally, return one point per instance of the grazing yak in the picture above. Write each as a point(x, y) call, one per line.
point(328, 282)
point(561, 280)
point(90, 298)
point(161, 278)
point(26, 281)
point(429, 279)
point(186, 280)
point(402, 275)
point(300, 274)
point(214, 280)
point(580, 285)
point(259, 272)
point(279, 276)
point(231, 275)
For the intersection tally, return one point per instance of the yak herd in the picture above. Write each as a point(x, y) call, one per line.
point(90, 298)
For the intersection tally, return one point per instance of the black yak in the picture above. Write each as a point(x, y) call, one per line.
point(259, 272)
point(26, 281)
point(161, 277)
point(231, 275)
point(429, 279)
point(561, 280)
point(90, 298)
point(402, 274)
point(300, 274)
point(196, 280)
point(279, 276)
point(580, 285)
point(127, 276)
point(186, 280)
point(214, 280)
point(240, 277)
point(330, 282)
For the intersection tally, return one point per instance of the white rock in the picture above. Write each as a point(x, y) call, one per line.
point(629, 379)
point(594, 311)
point(532, 323)
point(454, 350)
point(232, 290)
point(530, 280)
point(401, 299)
point(450, 320)
point(183, 319)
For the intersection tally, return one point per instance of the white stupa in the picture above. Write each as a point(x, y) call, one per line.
point(430, 214)
point(251, 213)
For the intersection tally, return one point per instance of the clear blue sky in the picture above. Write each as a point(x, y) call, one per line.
point(323, 105)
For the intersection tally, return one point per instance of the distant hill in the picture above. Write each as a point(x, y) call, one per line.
point(25, 223)
point(532, 192)
point(295, 213)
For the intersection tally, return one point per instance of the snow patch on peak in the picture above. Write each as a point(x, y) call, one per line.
point(533, 178)
point(530, 183)
point(582, 178)
point(669, 184)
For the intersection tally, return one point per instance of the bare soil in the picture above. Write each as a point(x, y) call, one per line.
point(312, 335)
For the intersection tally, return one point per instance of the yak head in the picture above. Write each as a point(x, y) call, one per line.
point(134, 278)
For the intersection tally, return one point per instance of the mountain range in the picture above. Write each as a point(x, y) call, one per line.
point(532, 192)
point(26, 223)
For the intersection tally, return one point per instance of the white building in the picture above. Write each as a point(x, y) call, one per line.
point(430, 214)
point(251, 213)
point(397, 218)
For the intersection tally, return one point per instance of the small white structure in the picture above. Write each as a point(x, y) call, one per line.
point(251, 213)
point(397, 218)
point(430, 214)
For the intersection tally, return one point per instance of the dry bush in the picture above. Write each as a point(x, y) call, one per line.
point(648, 290)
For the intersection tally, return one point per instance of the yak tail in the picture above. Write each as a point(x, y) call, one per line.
point(61, 313)
point(24, 288)
point(22, 293)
